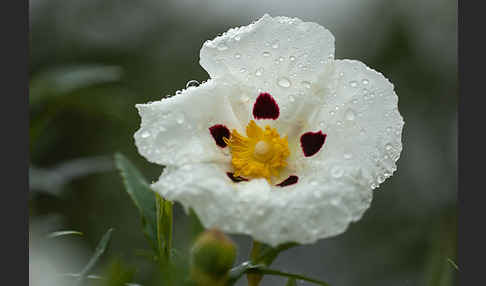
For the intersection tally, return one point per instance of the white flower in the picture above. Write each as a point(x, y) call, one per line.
point(283, 143)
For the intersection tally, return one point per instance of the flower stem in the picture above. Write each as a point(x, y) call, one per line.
point(255, 278)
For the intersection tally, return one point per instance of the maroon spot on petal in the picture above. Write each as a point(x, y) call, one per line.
point(289, 181)
point(265, 107)
point(219, 132)
point(235, 179)
point(311, 142)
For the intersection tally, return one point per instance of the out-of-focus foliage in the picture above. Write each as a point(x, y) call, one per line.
point(92, 61)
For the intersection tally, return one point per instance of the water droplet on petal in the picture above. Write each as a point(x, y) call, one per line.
point(145, 134)
point(283, 82)
point(348, 156)
point(291, 98)
point(281, 59)
point(259, 72)
point(388, 147)
point(353, 83)
point(242, 70)
point(292, 58)
point(180, 118)
point(337, 172)
point(306, 84)
point(349, 115)
point(275, 45)
point(192, 83)
point(266, 54)
point(365, 81)
point(222, 47)
point(237, 56)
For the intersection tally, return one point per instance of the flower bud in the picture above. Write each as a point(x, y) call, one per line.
point(212, 256)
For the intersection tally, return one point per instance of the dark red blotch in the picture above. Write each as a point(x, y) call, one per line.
point(235, 179)
point(311, 142)
point(289, 181)
point(265, 107)
point(219, 132)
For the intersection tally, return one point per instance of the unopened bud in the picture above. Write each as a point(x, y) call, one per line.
point(212, 256)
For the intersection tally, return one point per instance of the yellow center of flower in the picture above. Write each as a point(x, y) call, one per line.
point(261, 154)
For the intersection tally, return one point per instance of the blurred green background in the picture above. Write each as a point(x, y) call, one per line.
point(93, 60)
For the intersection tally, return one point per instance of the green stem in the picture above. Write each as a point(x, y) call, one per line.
point(255, 278)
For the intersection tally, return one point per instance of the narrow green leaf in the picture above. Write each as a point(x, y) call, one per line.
point(144, 198)
point(100, 249)
point(63, 233)
point(266, 271)
point(451, 262)
point(268, 254)
point(164, 227)
point(291, 282)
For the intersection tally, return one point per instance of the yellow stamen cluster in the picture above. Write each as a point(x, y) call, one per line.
point(261, 154)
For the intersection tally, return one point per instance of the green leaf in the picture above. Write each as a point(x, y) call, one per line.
point(66, 79)
point(267, 254)
point(164, 227)
point(63, 233)
point(267, 271)
point(100, 249)
point(249, 268)
point(291, 282)
point(144, 198)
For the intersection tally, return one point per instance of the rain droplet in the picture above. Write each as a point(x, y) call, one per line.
point(281, 59)
point(178, 92)
point(291, 98)
point(222, 47)
point(180, 118)
point(353, 83)
point(275, 45)
point(388, 147)
point(292, 58)
point(242, 70)
point(259, 72)
point(306, 84)
point(322, 124)
point(348, 156)
point(237, 38)
point(145, 134)
point(337, 172)
point(237, 56)
point(349, 115)
point(266, 54)
point(341, 74)
point(192, 83)
point(365, 81)
point(332, 113)
point(283, 82)
point(339, 123)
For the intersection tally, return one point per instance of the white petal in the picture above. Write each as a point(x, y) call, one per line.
point(312, 209)
point(282, 56)
point(175, 130)
point(360, 116)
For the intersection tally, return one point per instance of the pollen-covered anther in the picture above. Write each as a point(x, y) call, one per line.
point(260, 154)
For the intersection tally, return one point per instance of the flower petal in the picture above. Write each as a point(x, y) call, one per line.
point(359, 113)
point(316, 207)
point(175, 130)
point(282, 56)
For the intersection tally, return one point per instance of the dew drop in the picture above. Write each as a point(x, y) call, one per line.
point(348, 156)
point(337, 172)
point(306, 84)
point(281, 59)
point(242, 70)
point(388, 147)
point(237, 56)
point(341, 74)
point(365, 81)
point(283, 82)
point(259, 72)
point(237, 38)
point(145, 134)
point(266, 54)
point(332, 113)
point(353, 83)
point(292, 58)
point(222, 47)
point(178, 92)
point(291, 98)
point(275, 45)
point(192, 83)
point(322, 124)
point(349, 115)
point(339, 123)
point(180, 118)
